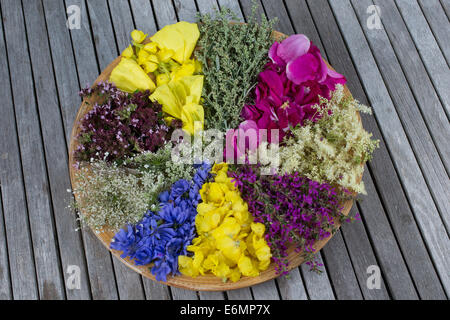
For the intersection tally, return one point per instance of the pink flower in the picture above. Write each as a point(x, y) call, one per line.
point(303, 62)
point(239, 141)
point(289, 49)
point(290, 85)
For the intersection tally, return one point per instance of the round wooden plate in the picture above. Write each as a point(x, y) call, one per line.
point(206, 282)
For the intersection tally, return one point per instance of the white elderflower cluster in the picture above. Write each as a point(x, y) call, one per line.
point(333, 149)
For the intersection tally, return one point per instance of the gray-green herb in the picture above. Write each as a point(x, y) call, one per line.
point(232, 55)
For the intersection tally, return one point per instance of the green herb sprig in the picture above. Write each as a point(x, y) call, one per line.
point(232, 56)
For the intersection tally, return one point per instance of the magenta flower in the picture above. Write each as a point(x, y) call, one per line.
point(290, 86)
point(238, 141)
point(303, 61)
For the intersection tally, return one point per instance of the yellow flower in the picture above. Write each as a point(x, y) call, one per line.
point(149, 66)
point(230, 244)
point(180, 37)
point(150, 47)
point(138, 36)
point(186, 69)
point(223, 167)
point(192, 116)
point(258, 229)
point(181, 100)
point(235, 275)
point(161, 79)
point(128, 52)
point(142, 56)
point(153, 58)
point(129, 76)
point(164, 54)
point(247, 267)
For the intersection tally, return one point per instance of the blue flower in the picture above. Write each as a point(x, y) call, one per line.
point(161, 237)
point(125, 241)
point(179, 188)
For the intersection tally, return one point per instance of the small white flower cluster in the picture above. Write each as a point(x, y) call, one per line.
point(333, 149)
point(111, 196)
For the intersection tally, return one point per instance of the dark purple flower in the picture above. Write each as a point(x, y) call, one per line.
point(295, 210)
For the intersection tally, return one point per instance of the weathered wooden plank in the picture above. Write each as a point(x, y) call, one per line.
point(340, 269)
point(129, 282)
point(265, 291)
point(154, 290)
point(409, 113)
point(446, 5)
point(415, 187)
point(164, 13)
point(15, 216)
point(277, 9)
point(291, 286)
point(439, 24)
point(5, 277)
point(211, 295)
point(362, 256)
point(99, 267)
point(102, 32)
point(247, 7)
point(418, 80)
point(143, 16)
point(183, 294)
point(410, 116)
point(185, 10)
point(382, 166)
point(207, 6)
point(426, 45)
point(318, 286)
point(84, 56)
point(38, 199)
point(389, 256)
point(286, 27)
point(54, 144)
point(302, 20)
point(122, 22)
point(234, 6)
point(240, 294)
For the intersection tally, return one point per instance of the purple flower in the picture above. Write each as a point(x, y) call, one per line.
point(294, 209)
point(120, 125)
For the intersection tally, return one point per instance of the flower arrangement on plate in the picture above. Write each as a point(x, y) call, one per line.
point(217, 155)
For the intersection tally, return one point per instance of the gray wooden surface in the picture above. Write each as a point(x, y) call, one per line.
point(400, 70)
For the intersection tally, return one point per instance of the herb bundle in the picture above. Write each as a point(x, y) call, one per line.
point(232, 55)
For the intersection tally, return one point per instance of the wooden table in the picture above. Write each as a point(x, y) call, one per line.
point(401, 70)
